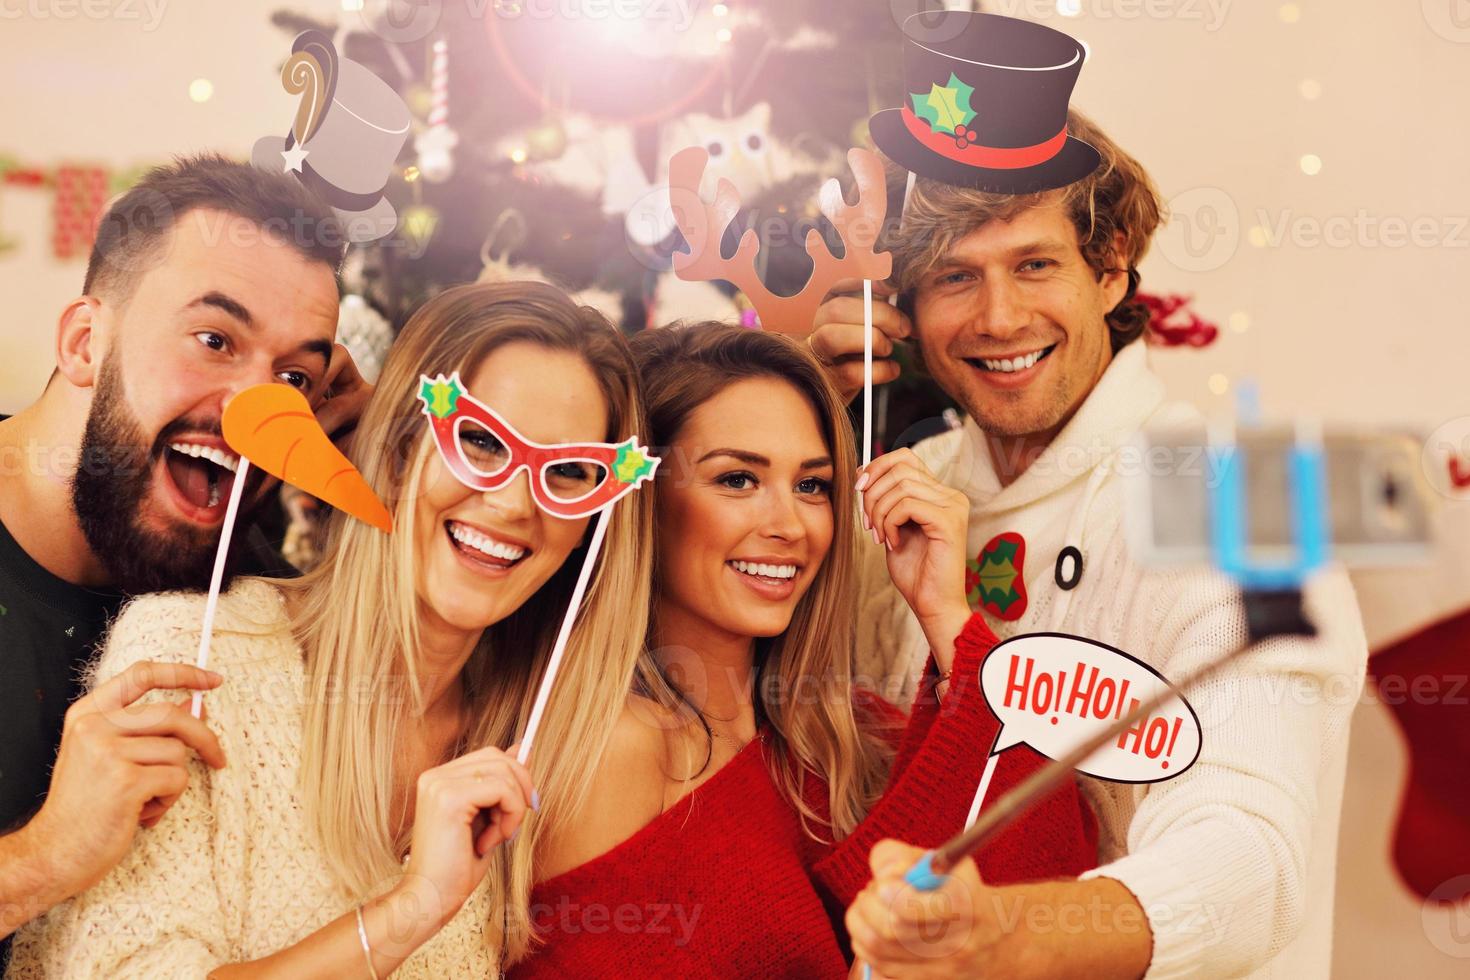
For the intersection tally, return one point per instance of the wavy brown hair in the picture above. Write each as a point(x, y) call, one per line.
point(681, 367)
point(1118, 198)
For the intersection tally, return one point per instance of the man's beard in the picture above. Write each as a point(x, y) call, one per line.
point(110, 490)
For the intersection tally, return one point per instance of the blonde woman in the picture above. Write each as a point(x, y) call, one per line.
point(367, 820)
point(737, 803)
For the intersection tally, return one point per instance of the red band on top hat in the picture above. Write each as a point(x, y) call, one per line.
point(977, 155)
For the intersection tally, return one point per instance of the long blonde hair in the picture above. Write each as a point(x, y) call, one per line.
point(357, 613)
point(681, 368)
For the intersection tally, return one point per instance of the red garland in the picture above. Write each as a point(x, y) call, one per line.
point(1172, 324)
point(25, 178)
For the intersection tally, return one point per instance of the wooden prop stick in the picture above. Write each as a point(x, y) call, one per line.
point(237, 490)
point(559, 650)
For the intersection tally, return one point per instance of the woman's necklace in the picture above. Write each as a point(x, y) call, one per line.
point(739, 741)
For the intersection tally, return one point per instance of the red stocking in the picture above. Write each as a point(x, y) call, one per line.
point(1425, 681)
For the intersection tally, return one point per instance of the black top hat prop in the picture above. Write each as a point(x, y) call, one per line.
point(348, 130)
point(987, 105)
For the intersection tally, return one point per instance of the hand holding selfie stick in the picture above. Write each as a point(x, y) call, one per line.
point(1272, 594)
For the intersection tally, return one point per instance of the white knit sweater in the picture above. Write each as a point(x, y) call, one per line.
point(231, 872)
point(1233, 861)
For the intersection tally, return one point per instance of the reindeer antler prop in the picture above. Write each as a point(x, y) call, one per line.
point(704, 226)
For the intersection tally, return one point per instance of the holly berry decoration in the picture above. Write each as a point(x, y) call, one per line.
point(946, 108)
point(996, 579)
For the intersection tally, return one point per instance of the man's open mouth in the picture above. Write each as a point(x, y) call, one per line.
point(1010, 365)
point(203, 476)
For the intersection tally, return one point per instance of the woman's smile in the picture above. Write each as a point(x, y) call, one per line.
point(768, 577)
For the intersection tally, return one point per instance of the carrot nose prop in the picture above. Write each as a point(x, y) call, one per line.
point(273, 427)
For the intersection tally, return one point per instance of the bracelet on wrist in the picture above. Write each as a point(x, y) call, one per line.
point(367, 951)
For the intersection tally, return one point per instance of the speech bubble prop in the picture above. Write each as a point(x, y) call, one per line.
point(1053, 691)
point(272, 426)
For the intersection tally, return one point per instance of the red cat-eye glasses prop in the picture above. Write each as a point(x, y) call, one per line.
point(485, 452)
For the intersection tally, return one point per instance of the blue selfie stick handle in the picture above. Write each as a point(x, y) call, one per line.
point(921, 877)
point(1310, 522)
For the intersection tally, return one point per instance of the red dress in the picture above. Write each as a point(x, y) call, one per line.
point(726, 883)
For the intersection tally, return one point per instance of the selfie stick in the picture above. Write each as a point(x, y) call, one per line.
point(237, 490)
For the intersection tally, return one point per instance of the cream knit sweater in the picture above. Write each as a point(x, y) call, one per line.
point(231, 872)
point(1233, 861)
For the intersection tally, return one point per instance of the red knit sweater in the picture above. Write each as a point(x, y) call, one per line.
point(726, 883)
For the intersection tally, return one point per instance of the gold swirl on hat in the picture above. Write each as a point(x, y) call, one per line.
point(310, 72)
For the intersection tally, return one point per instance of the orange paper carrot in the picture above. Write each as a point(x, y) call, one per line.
point(272, 426)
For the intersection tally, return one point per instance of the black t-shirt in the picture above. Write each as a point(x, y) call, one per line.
point(48, 631)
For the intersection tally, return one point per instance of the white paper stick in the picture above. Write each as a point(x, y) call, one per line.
point(984, 787)
point(867, 371)
point(908, 190)
point(226, 532)
point(554, 664)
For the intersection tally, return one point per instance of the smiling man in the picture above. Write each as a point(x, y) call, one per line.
point(206, 278)
point(1022, 309)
